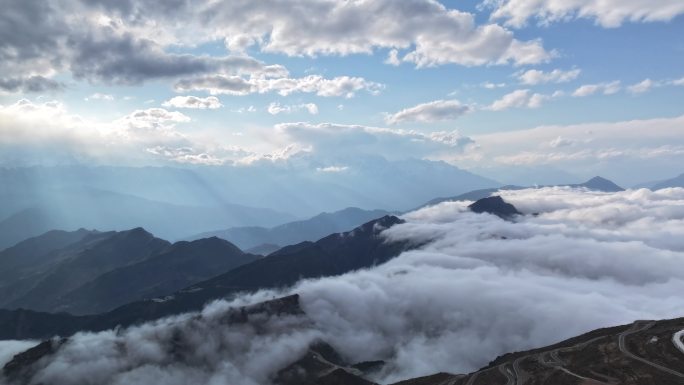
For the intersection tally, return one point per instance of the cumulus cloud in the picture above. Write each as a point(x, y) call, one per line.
point(427, 32)
point(276, 108)
point(492, 86)
point(534, 77)
point(561, 142)
point(87, 40)
point(477, 288)
point(520, 99)
point(127, 42)
point(437, 110)
point(210, 102)
point(146, 136)
point(100, 96)
point(604, 88)
point(330, 139)
point(332, 169)
point(609, 13)
point(35, 83)
point(641, 87)
point(341, 86)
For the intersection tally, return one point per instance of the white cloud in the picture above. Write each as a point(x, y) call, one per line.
point(432, 34)
point(607, 13)
point(641, 87)
point(329, 140)
point(341, 86)
point(612, 149)
point(604, 88)
point(243, 110)
point(332, 169)
point(678, 82)
point(520, 99)
point(561, 142)
point(435, 111)
point(276, 108)
point(476, 288)
point(100, 96)
point(195, 102)
point(534, 77)
point(393, 58)
point(146, 136)
point(491, 86)
point(153, 119)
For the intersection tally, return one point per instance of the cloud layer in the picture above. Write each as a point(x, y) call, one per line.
point(607, 13)
point(435, 111)
point(126, 42)
point(479, 287)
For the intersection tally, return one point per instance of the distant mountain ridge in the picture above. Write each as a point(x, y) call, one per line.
point(333, 255)
point(596, 183)
point(90, 272)
point(105, 210)
point(677, 181)
point(178, 266)
point(65, 269)
point(299, 188)
point(311, 229)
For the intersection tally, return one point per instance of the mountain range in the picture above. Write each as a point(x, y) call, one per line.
point(72, 281)
point(596, 183)
point(86, 272)
point(74, 208)
point(290, 233)
point(332, 255)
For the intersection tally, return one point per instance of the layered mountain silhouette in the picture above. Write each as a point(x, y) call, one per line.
point(644, 352)
point(90, 272)
point(332, 255)
point(175, 203)
point(596, 183)
point(677, 181)
point(311, 229)
point(180, 265)
point(66, 269)
point(82, 207)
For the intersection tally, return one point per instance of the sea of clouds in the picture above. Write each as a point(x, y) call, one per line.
point(479, 287)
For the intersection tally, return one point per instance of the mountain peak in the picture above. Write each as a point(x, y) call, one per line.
point(494, 205)
point(601, 184)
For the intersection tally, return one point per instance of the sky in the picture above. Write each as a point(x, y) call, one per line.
point(503, 88)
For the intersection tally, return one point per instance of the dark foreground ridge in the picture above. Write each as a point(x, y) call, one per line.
point(643, 353)
point(494, 205)
point(333, 255)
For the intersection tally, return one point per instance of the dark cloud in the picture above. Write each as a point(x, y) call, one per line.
point(30, 84)
point(126, 60)
point(125, 42)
